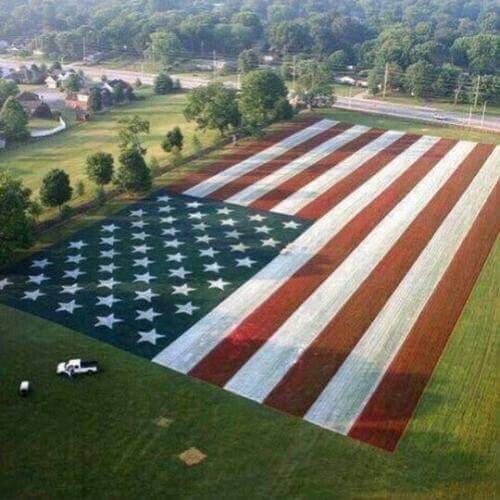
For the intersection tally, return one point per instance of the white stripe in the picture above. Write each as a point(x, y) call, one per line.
point(185, 352)
point(230, 174)
point(257, 378)
point(321, 184)
point(344, 398)
point(268, 183)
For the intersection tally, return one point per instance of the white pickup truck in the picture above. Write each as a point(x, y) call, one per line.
point(76, 367)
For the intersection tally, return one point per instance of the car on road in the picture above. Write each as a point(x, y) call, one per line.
point(77, 367)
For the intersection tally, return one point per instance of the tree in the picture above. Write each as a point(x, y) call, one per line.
point(8, 88)
point(56, 189)
point(163, 84)
point(289, 36)
point(314, 84)
point(337, 60)
point(133, 175)
point(94, 103)
point(165, 46)
point(213, 107)
point(14, 120)
point(446, 82)
point(16, 220)
point(130, 133)
point(248, 60)
point(73, 82)
point(261, 91)
point(118, 94)
point(99, 168)
point(418, 79)
point(174, 138)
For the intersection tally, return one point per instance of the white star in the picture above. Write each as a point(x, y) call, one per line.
point(38, 279)
point(257, 218)
point(270, 242)
point(150, 336)
point(141, 248)
point(71, 289)
point(262, 229)
point(144, 278)
point(76, 259)
point(143, 262)
point(148, 314)
point(182, 289)
point(139, 223)
point(194, 204)
point(166, 209)
point(140, 236)
point(108, 268)
point(163, 199)
point(178, 257)
point(108, 283)
point(172, 231)
point(108, 301)
point(240, 247)
point(214, 267)
point(5, 282)
point(110, 228)
point(137, 213)
point(228, 222)
point(74, 273)
point(68, 306)
point(186, 308)
point(290, 225)
point(246, 262)
point(202, 226)
point(180, 273)
point(196, 215)
point(224, 211)
point(208, 252)
point(33, 295)
point(77, 244)
point(41, 264)
point(146, 295)
point(220, 283)
point(111, 240)
point(173, 243)
point(108, 254)
point(233, 234)
point(168, 220)
point(107, 321)
point(204, 239)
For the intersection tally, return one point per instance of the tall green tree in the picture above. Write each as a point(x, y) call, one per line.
point(133, 174)
point(99, 167)
point(8, 88)
point(173, 139)
point(131, 132)
point(419, 78)
point(165, 46)
point(16, 221)
point(248, 60)
point(94, 103)
point(314, 84)
point(213, 107)
point(14, 121)
point(163, 84)
point(56, 189)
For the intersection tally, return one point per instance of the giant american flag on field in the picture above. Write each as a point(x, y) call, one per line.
point(319, 271)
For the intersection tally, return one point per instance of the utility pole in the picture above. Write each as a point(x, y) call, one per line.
point(484, 112)
point(476, 97)
point(84, 47)
point(214, 54)
point(386, 77)
point(294, 71)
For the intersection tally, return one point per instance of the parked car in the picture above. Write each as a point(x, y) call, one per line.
point(77, 367)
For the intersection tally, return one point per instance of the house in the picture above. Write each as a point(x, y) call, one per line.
point(3, 143)
point(94, 58)
point(52, 82)
point(29, 101)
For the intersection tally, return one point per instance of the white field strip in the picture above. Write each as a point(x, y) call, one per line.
point(273, 180)
point(321, 184)
point(222, 178)
point(347, 393)
point(258, 377)
point(185, 352)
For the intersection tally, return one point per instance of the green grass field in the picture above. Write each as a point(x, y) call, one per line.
point(96, 437)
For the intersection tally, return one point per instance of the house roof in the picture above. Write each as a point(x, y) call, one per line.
point(28, 96)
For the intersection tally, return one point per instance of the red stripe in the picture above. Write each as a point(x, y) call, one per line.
point(386, 416)
point(275, 164)
point(271, 199)
point(238, 154)
point(221, 364)
point(305, 381)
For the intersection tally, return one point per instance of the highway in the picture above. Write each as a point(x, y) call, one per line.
point(357, 103)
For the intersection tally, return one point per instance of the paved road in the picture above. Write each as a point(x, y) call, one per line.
point(358, 103)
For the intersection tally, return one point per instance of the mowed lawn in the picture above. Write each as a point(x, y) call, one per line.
point(95, 437)
point(69, 149)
